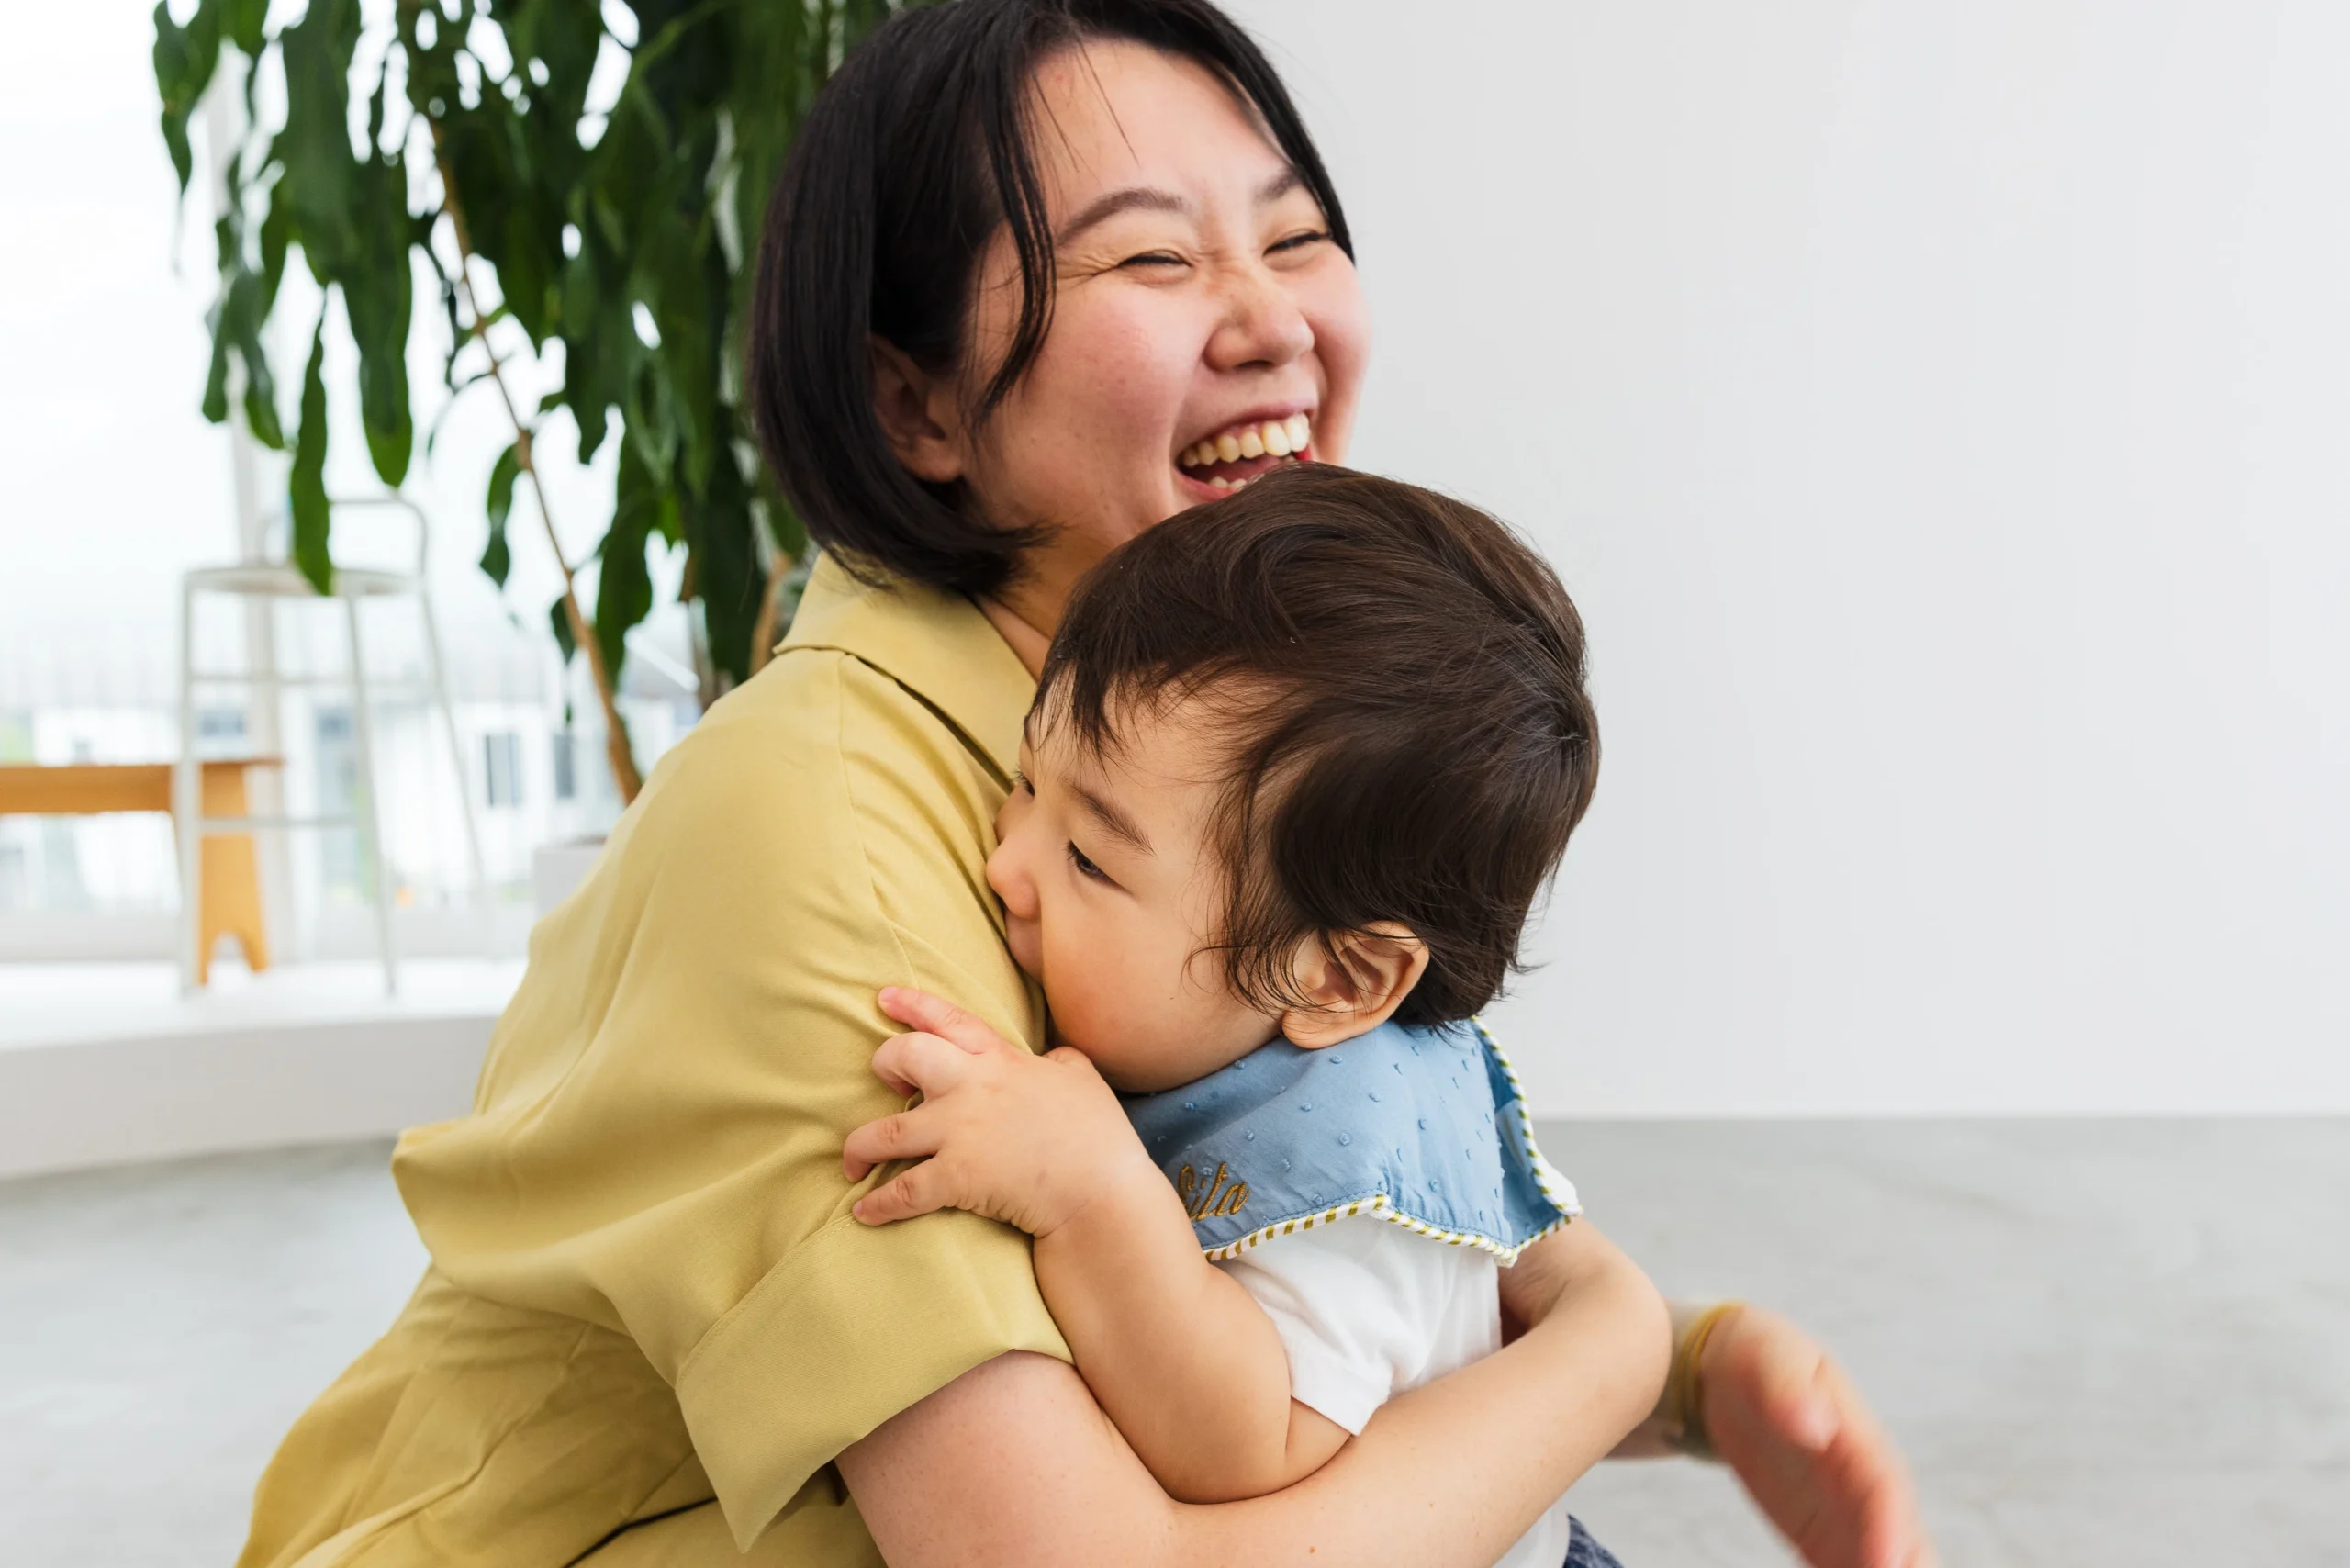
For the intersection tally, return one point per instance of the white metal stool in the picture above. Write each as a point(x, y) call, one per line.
point(279, 581)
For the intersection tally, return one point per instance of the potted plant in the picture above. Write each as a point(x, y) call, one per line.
point(567, 176)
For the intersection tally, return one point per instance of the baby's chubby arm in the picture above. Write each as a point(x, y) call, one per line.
point(1183, 1362)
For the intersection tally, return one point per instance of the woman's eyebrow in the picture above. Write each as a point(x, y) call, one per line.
point(1150, 198)
point(1280, 186)
point(1146, 198)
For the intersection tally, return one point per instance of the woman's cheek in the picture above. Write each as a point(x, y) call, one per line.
point(1130, 369)
point(1115, 369)
point(1333, 302)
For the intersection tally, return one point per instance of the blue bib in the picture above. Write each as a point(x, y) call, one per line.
point(1425, 1128)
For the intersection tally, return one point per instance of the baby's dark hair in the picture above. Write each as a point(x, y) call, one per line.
point(1399, 681)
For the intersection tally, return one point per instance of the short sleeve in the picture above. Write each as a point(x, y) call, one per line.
point(655, 1142)
point(1366, 1310)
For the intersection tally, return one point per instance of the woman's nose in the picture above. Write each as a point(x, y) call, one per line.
point(1263, 324)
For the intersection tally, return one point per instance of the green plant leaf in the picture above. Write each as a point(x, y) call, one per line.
point(314, 148)
point(307, 488)
point(261, 410)
point(496, 560)
point(624, 585)
point(215, 403)
point(725, 566)
point(247, 316)
point(274, 231)
point(184, 57)
point(236, 321)
point(379, 295)
point(675, 274)
point(561, 622)
point(240, 23)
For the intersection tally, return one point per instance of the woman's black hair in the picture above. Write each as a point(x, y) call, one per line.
point(908, 161)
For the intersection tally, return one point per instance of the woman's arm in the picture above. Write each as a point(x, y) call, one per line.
point(1014, 1464)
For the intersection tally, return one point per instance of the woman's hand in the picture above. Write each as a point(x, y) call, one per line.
point(1026, 1140)
point(1788, 1420)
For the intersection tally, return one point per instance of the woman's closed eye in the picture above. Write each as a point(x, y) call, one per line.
point(1298, 242)
point(1153, 259)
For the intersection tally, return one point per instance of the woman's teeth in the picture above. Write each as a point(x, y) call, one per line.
point(1273, 438)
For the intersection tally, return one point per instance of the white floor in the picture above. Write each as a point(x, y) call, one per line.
point(2103, 1344)
point(106, 1063)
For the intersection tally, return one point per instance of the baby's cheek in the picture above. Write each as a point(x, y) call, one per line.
point(1079, 1001)
point(1115, 1034)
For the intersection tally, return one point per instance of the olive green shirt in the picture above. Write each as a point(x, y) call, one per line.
point(648, 1304)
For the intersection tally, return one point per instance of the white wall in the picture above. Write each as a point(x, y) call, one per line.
point(1940, 414)
point(1939, 410)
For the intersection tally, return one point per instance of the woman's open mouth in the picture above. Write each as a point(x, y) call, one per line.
point(1229, 459)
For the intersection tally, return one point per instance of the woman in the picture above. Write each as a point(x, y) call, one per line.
point(650, 1332)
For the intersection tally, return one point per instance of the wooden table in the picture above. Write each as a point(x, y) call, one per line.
point(228, 874)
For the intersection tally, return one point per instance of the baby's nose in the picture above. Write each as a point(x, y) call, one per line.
point(1003, 875)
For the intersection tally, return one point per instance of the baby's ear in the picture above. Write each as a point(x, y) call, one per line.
point(1351, 983)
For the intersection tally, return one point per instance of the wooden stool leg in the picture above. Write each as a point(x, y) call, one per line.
point(231, 877)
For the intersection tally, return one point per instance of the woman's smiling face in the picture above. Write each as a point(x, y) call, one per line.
point(1205, 326)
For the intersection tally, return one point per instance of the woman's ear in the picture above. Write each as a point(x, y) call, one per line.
point(1352, 983)
point(918, 413)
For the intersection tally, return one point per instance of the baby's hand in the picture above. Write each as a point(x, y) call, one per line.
point(1029, 1140)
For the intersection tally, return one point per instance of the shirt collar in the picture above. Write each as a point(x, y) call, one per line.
point(937, 645)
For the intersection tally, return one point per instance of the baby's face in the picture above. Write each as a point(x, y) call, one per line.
point(1111, 892)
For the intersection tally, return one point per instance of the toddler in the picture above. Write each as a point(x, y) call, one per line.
point(1300, 761)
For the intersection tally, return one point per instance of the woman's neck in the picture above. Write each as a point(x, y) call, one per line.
point(1012, 623)
point(1027, 609)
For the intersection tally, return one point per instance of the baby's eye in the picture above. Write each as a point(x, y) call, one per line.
point(1020, 785)
point(1085, 867)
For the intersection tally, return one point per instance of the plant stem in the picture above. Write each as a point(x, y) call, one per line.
point(583, 636)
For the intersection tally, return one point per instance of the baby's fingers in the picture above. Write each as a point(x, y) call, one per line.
point(936, 1015)
point(921, 1063)
point(917, 1191)
point(908, 1134)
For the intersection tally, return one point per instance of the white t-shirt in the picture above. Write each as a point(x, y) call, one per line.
point(1367, 1310)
